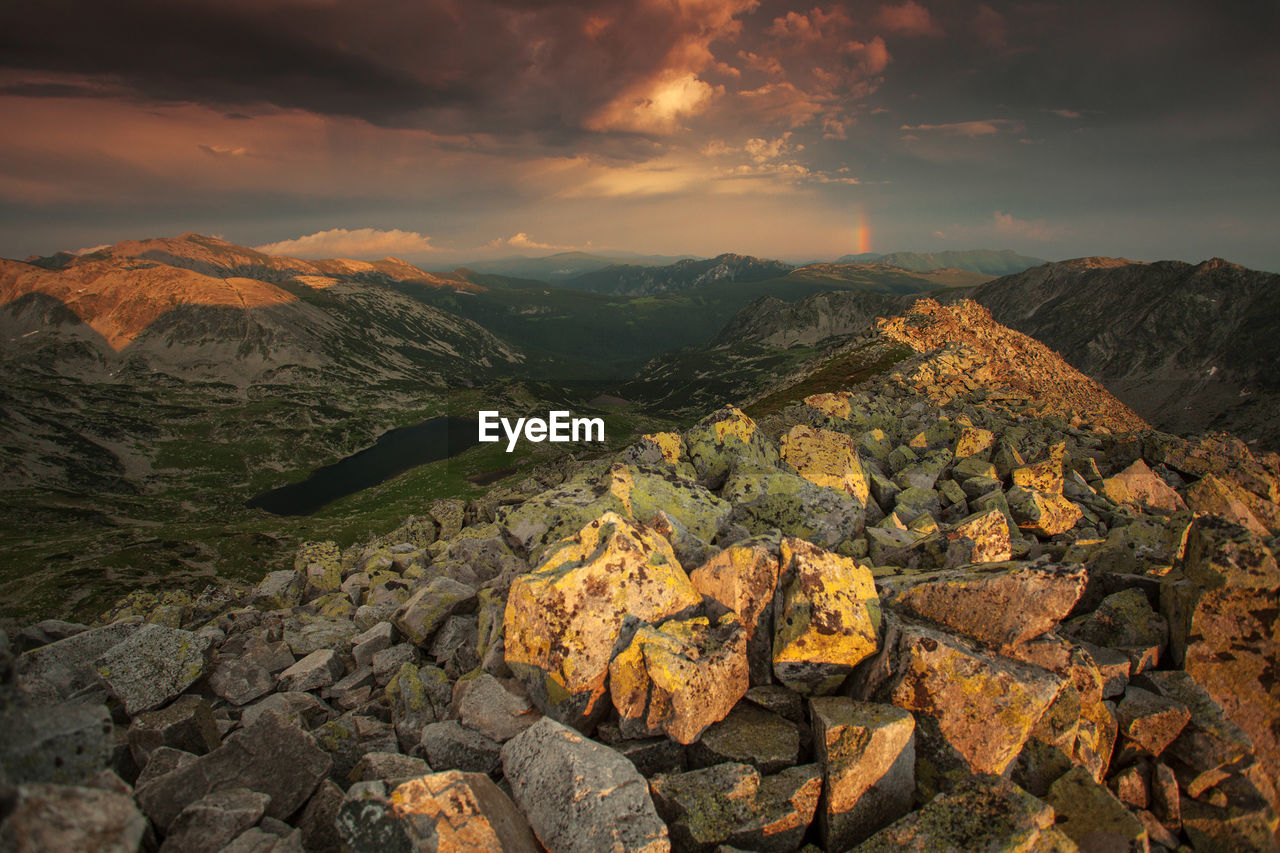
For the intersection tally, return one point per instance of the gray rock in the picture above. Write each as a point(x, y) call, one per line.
point(273, 656)
point(319, 833)
point(367, 823)
point(731, 804)
point(64, 669)
point(387, 662)
point(981, 813)
point(278, 590)
point(59, 817)
point(749, 735)
point(152, 666)
point(579, 795)
point(307, 635)
point(455, 645)
point(391, 767)
point(488, 707)
point(252, 840)
point(162, 760)
point(187, 725)
point(370, 642)
point(349, 738)
point(239, 680)
point(451, 746)
point(65, 744)
point(420, 616)
point(1092, 816)
point(270, 757)
point(418, 698)
point(318, 669)
point(213, 821)
point(303, 710)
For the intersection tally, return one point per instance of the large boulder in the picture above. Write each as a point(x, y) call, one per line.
point(826, 458)
point(64, 743)
point(153, 665)
point(63, 669)
point(1222, 614)
point(767, 498)
point(715, 444)
point(564, 620)
point(982, 813)
point(973, 710)
point(828, 620)
point(679, 677)
point(579, 795)
point(734, 806)
point(462, 812)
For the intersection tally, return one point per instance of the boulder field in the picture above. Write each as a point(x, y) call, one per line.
point(869, 621)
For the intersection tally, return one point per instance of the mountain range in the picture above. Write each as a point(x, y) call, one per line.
point(152, 387)
point(1004, 262)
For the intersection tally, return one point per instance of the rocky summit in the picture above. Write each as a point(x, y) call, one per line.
point(967, 601)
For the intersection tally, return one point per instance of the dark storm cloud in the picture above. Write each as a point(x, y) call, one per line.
point(487, 64)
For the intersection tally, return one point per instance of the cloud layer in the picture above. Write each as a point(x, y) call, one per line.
point(698, 126)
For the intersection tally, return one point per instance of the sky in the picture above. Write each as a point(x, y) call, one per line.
point(446, 130)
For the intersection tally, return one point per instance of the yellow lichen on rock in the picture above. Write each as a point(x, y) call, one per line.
point(830, 618)
point(826, 458)
point(835, 404)
point(680, 677)
point(563, 620)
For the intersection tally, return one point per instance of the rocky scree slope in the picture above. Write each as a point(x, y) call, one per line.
point(906, 614)
point(1189, 347)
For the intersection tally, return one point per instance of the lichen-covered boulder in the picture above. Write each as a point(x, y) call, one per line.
point(67, 743)
point(460, 812)
point(733, 805)
point(1222, 615)
point(766, 498)
point(997, 604)
point(153, 665)
point(989, 536)
point(826, 458)
point(974, 710)
point(679, 677)
point(982, 813)
point(563, 620)
point(1140, 488)
point(632, 492)
point(743, 578)
point(749, 735)
point(828, 620)
point(718, 441)
point(427, 609)
point(1042, 513)
point(1092, 816)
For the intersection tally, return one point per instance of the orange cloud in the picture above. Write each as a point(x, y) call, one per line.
point(987, 127)
point(357, 243)
point(909, 19)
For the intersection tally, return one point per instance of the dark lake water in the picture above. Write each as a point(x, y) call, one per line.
point(395, 451)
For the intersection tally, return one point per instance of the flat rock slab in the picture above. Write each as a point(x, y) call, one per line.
point(749, 735)
point(982, 813)
point(999, 604)
point(466, 811)
point(152, 666)
point(1092, 816)
point(580, 796)
point(210, 823)
point(60, 670)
